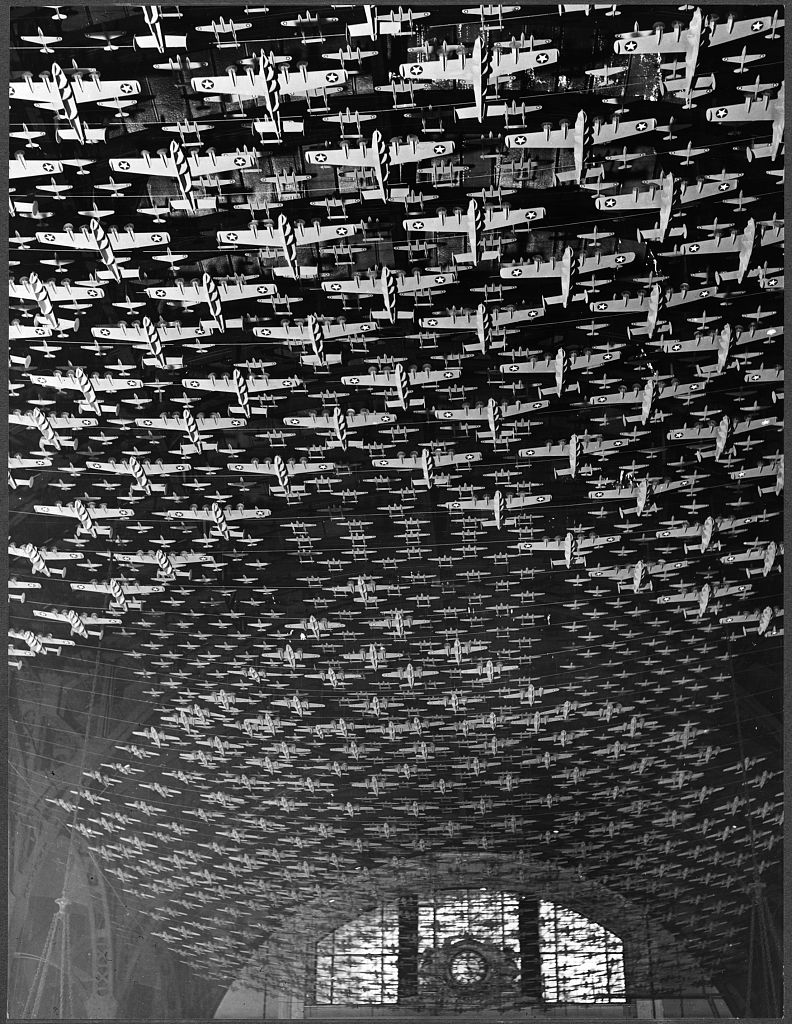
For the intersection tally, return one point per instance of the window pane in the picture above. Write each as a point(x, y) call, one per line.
point(582, 962)
point(358, 962)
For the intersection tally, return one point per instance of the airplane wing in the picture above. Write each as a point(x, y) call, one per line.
point(422, 282)
point(455, 223)
point(289, 83)
point(235, 514)
point(302, 332)
point(195, 292)
point(136, 332)
point(349, 156)
point(438, 70)
point(85, 91)
point(496, 220)
point(110, 513)
point(120, 241)
point(433, 376)
point(219, 163)
point(355, 286)
point(606, 133)
point(730, 30)
point(23, 168)
point(255, 385)
point(373, 380)
point(546, 451)
point(414, 152)
point(507, 62)
point(526, 500)
point(547, 365)
point(56, 510)
point(363, 419)
point(549, 138)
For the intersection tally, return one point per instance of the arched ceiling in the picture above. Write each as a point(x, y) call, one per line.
point(479, 556)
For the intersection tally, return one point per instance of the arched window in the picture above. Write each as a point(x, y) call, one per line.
point(460, 941)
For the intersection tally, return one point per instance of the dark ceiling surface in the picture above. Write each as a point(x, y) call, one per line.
point(485, 558)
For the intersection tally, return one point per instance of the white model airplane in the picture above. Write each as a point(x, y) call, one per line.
point(80, 623)
point(638, 576)
point(168, 563)
point(499, 505)
point(282, 470)
point(573, 546)
point(90, 387)
point(243, 388)
point(648, 396)
point(560, 366)
point(579, 137)
point(314, 328)
point(379, 157)
point(474, 222)
point(196, 428)
point(140, 471)
point(492, 413)
point(55, 92)
point(428, 462)
point(389, 284)
point(573, 450)
point(401, 380)
point(120, 591)
point(339, 424)
point(638, 491)
point(176, 163)
point(49, 426)
point(40, 557)
point(261, 81)
point(218, 516)
point(722, 432)
point(482, 68)
point(86, 515)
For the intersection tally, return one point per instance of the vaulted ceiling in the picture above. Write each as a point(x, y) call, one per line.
point(408, 473)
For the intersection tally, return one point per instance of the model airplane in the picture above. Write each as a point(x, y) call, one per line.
point(428, 462)
point(483, 67)
point(57, 93)
point(573, 546)
point(559, 365)
point(141, 472)
point(401, 381)
point(218, 516)
point(339, 424)
point(474, 223)
point(196, 428)
point(500, 506)
point(86, 515)
point(168, 563)
point(119, 592)
point(40, 557)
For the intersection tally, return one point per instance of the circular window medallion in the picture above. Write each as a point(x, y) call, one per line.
point(467, 968)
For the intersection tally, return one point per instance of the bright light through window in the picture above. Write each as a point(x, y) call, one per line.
point(582, 962)
point(358, 963)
